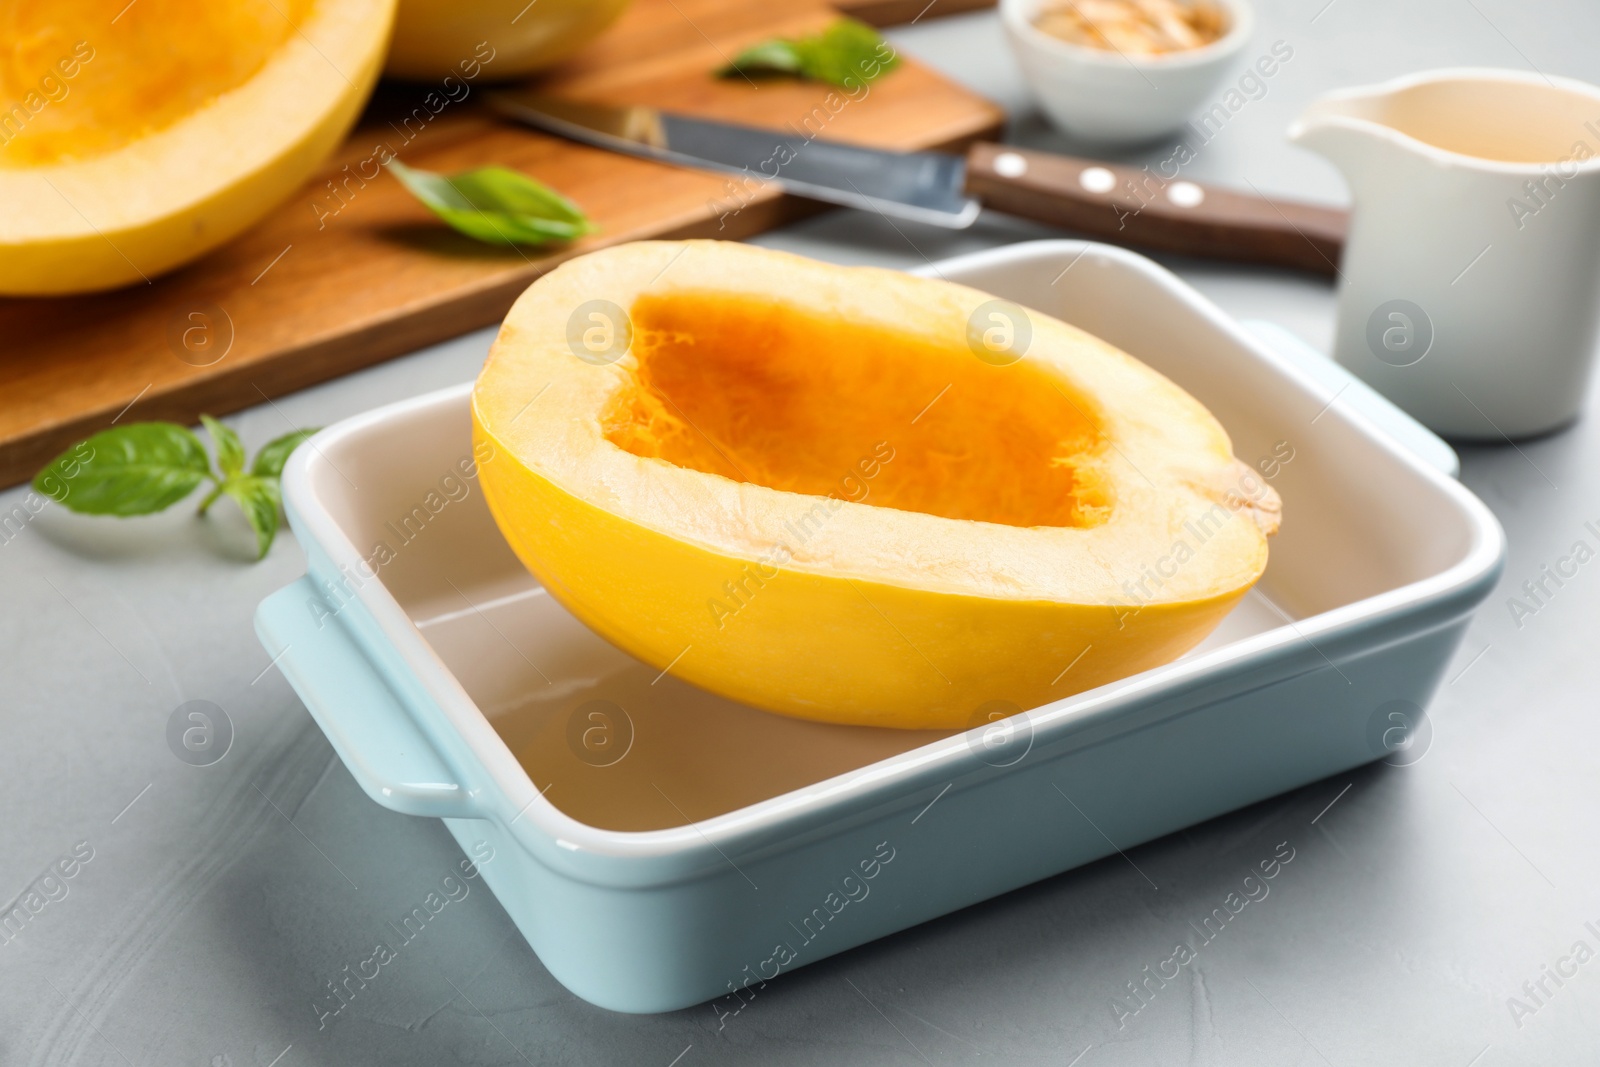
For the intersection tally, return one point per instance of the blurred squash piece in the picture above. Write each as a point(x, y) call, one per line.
point(510, 37)
point(135, 137)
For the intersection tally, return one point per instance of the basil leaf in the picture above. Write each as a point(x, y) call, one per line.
point(777, 56)
point(230, 450)
point(846, 50)
point(275, 453)
point(136, 469)
point(846, 53)
point(258, 499)
point(497, 205)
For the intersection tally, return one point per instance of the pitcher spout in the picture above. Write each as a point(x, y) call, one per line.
point(1347, 129)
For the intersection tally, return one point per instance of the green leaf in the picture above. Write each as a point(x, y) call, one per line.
point(137, 469)
point(275, 453)
point(847, 53)
point(777, 56)
point(496, 204)
point(258, 499)
point(146, 467)
point(230, 450)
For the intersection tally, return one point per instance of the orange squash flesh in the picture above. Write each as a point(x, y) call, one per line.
point(160, 61)
point(762, 392)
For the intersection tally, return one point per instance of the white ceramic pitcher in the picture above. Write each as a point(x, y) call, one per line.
point(1470, 283)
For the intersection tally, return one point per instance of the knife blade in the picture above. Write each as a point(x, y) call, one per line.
point(1140, 207)
point(919, 186)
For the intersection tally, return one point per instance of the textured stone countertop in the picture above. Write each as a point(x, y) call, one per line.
point(206, 905)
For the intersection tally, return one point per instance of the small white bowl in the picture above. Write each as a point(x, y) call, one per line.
point(1112, 98)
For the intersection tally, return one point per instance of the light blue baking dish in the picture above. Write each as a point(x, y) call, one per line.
point(660, 847)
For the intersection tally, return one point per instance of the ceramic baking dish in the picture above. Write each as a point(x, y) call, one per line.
point(660, 847)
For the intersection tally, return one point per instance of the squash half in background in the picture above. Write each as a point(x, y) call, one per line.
point(135, 137)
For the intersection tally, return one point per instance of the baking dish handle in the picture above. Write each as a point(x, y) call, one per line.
point(365, 722)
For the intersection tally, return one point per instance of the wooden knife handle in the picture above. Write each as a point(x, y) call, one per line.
point(1146, 209)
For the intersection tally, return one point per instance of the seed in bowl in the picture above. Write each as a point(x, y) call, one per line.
point(1133, 27)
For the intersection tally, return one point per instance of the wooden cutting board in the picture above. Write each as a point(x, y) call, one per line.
point(338, 279)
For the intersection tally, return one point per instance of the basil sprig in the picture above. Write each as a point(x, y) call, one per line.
point(146, 467)
point(847, 52)
point(496, 204)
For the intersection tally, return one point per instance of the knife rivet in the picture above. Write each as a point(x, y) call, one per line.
point(1010, 165)
point(1185, 194)
point(1097, 180)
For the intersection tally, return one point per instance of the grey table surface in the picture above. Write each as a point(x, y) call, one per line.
point(1422, 898)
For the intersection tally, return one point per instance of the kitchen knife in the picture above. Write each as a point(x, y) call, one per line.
point(1121, 204)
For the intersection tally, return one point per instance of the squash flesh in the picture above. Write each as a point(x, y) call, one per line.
point(763, 392)
point(119, 91)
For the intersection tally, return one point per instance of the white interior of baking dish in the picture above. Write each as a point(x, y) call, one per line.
point(1363, 519)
